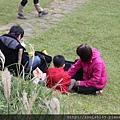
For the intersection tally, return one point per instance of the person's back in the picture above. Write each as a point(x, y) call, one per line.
point(10, 46)
point(57, 77)
point(15, 55)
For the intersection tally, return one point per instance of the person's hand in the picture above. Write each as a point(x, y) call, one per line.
point(78, 83)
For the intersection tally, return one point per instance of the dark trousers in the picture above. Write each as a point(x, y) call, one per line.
point(86, 90)
point(79, 76)
point(24, 2)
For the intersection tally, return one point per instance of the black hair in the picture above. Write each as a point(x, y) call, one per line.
point(16, 31)
point(58, 61)
point(84, 51)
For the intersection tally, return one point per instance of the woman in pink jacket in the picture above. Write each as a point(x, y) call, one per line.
point(94, 70)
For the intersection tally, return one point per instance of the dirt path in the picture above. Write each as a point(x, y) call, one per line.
point(33, 24)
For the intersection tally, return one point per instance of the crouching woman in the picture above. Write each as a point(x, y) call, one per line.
point(94, 70)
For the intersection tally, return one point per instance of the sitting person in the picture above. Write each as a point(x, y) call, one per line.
point(94, 70)
point(57, 78)
point(14, 52)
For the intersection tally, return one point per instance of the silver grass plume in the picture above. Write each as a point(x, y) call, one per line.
point(28, 103)
point(32, 101)
point(32, 50)
point(55, 105)
point(2, 58)
point(25, 100)
point(6, 81)
point(52, 106)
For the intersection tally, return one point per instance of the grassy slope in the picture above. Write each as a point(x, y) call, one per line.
point(96, 23)
point(8, 9)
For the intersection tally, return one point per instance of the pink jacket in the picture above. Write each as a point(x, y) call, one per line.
point(94, 71)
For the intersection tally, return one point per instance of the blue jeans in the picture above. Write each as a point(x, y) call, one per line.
point(32, 65)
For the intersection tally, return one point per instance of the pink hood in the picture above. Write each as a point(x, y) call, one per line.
point(94, 71)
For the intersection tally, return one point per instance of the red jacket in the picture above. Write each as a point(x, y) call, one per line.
point(58, 78)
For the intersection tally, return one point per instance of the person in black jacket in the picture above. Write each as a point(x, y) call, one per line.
point(15, 54)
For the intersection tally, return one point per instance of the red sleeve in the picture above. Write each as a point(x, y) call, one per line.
point(67, 79)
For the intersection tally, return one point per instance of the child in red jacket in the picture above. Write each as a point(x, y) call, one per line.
point(57, 78)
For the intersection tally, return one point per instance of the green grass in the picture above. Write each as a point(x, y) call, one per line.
point(96, 23)
point(9, 9)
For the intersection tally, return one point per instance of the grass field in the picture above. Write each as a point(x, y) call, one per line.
point(97, 23)
point(9, 9)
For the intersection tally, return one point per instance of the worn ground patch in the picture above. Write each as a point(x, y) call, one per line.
point(33, 24)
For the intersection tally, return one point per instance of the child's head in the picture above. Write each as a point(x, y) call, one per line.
point(84, 51)
point(59, 61)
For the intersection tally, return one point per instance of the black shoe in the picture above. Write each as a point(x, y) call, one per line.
point(21, 16)
point(41, 13)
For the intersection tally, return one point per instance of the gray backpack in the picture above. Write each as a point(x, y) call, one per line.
point(2, 60)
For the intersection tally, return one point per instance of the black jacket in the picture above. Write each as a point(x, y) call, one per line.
point(10, 46)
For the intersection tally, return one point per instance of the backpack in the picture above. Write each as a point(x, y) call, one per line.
point(79, 73)
point(2, 60)
point(45, 60)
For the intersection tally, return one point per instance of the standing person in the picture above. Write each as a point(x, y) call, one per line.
point(94, 70)
point(39, 9)
point(14, 52)
point(58, 78)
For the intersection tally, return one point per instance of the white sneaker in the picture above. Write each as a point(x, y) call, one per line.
point(99, 92)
